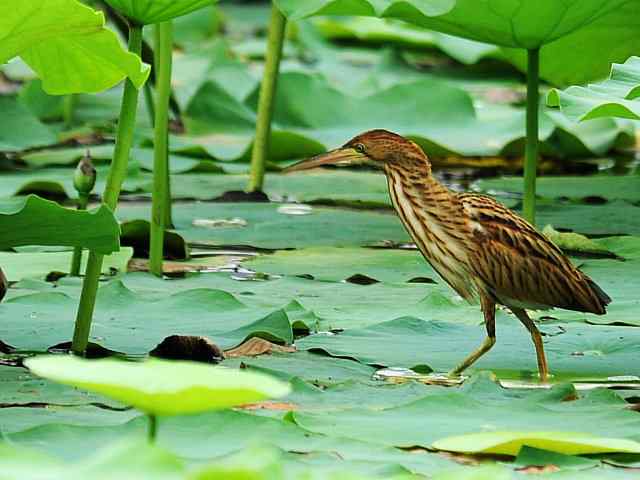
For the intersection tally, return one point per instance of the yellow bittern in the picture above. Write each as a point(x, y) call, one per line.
point(478, 246)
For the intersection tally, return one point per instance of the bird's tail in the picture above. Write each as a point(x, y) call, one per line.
point(603, 298)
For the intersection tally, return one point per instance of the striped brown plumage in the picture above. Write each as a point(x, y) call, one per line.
point(479, 247)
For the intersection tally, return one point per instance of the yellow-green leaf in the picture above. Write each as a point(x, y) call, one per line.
point(161, 387)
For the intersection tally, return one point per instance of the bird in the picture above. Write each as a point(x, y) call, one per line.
point(480, 248)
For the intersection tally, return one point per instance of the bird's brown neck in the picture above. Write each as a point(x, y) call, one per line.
point(411, 178)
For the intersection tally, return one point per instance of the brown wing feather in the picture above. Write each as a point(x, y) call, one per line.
point(521, 267)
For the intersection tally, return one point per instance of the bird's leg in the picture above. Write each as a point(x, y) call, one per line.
point(537, 341)
point(489, 310)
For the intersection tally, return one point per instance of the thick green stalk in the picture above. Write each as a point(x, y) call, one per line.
point(68, 107)
point(148, 101)
point(117, 174)
point(531, 149)
point(153, 428)
point(161, 149)
point(76, 260)
point(265, 104)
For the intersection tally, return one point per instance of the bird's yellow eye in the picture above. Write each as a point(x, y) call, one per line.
point(359, 148)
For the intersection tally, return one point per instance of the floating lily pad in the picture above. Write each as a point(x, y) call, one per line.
point(18, 266)
point(607, 187)
point(576, 350)
point(41, 320)
point(483, 408)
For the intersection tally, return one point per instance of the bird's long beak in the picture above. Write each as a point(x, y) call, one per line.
point(339, 156)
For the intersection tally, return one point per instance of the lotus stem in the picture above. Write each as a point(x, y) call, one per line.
point(148, 101)
point(68, 106)
point(531, 148)
point(161, 148)
point(117, 174)
point(265, 104)
point(76, 260)
point(153, 428)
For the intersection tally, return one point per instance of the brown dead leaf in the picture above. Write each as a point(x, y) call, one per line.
point(257, 346)
point(280, 406)
point(538, 469)
point(462, 458)
point(175, 268)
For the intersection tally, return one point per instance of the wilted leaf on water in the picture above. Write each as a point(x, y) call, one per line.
point(34, 221)
point(615, 97)
point(160, 387)
point(68, 45)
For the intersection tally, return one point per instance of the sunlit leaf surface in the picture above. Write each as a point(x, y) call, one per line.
point(161, 387)
point(68, 45)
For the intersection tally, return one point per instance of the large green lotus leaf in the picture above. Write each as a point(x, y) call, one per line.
point(340, 186)
point(20, 128)
point(155, 11)
point(40, 320)
point(510, 443)
point(528, 456)
point(131, 459)
point(67, 44)
point(58, 182)
point(18, 266)
point(214, 435)
point(21, 418)
point(385, 31)
point(143, 157)
point(615, 97)
point(574, 350)
point(34, 221)
point(296, 9)
point(483, 407)
point(160, 387)
point(210, 63)
point(608, 187)
point(600, 26)
point(19, 387)
point(319, 370)
point(442, 119)
point(20, 463)
point(269, 226)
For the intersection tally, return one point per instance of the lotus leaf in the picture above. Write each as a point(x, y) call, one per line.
point(160, 387)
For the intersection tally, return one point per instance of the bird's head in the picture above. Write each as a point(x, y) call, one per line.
point(377, 148)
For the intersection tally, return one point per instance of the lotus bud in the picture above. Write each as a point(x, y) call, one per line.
point(84, 178)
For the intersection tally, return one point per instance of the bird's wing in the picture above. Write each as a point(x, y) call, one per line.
point(520, 266)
